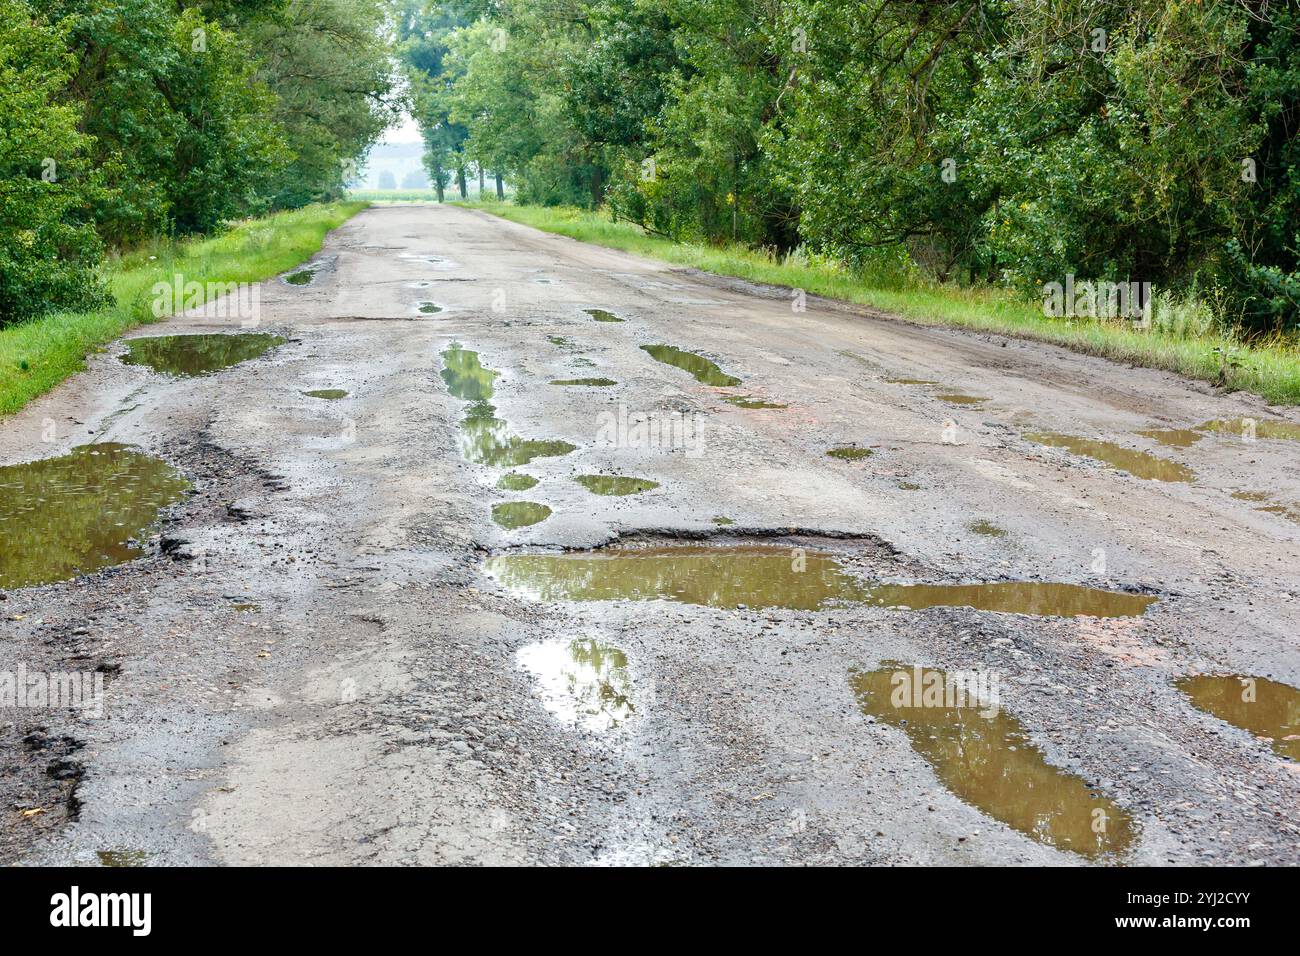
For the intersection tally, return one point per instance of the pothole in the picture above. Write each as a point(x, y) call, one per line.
point(617, 485)
point(1139, 464)
point(705, 371)
point(749, 401)
point(735, 576)
point(603, 315)
point(1263, 707)
point(301, 277)
point(849, 452)
point(987, 528)
point(590, 382)
point(328, 394)
point(956, 398)
point(516, 481)
point(1253, 428)
point(86, 510)
point(985, 757)
point(428, 308)
point(583, 682)
point(186, 356)
point(519, 514)
point(484, 438)
point(1172, 437)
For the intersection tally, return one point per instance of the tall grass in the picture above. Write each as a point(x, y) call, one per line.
point(1184, 337)
point(37, 355)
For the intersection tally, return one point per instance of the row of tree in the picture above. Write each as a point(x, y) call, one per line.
point(1007, 141)
point(121, 120)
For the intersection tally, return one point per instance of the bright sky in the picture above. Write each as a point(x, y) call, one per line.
point(406, 132)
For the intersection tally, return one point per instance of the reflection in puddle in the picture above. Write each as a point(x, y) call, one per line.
point(1136, 463)
point(759, 576)
point(1265, 708)
point(592, 382)
point(957, 399)
point(190, 355)
point(1266, 504)
point(519, 514)
point(1259, 427)
point(1172, 437)
point(987, 759)
point(329, 394)
point(749, 401)
point(430, 308)
point(615, 484)
point(910, 381)
point(601, 315)
point(60, 517)
point(849, 453)
point(987, 528)
point(122, 857)
point(909, 486)
point(583, 681)
point(301, 277)
point(705, 372)
point(484, 438)
point(723, 521)
point(516, 481)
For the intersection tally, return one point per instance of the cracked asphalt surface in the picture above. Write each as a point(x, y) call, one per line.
point(317, 670)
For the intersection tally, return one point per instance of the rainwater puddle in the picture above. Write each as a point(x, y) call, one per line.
point(484, 438)
point(748, 401)
point(519, 514)
point(849, 453)
point(910, 381)
point(765, 576)
point(1265, 708)
point(329, 394)
point(1136, 463)
point(1263, 428)
point(122, 857)
point(583, 681)
point(301, 277)
point(1264, 502)
point(615, 484)
point(591, 382)
point(429, 308)
point(705, 372)
point(985, 757)
point(954, 398)
point(516, 481)
point(1172, 437)
point(602, 315)
point(987, 528)
point(61, 517)
point(186, 356)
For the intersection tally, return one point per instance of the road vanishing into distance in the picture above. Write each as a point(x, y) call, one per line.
point(482, 545)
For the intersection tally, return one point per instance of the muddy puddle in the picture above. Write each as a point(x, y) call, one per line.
point(428, 308)
point(519, 514)
point(956, 398)
point(583, 682)
point(910, 381)
point(617, 485)
point(61, 517)
point(329, 394)
point(604, 315)
point(589, 382)
point(516, 481)
point(1265, 503)
point(1140, 464)
point(1274, 428)
point(301, 277)
point(987, 528)
point(484, 438)
point(705, 371)
point(185, 356)
point(849, 453)
point(766, 576)
point(749, 401)
point(1172, 437)
point(985, 757)
point(1265, 708)
point(117, 858)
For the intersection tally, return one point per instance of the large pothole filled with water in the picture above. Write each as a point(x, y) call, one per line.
point(186, 356)
point(80, 512)
point(732, 576)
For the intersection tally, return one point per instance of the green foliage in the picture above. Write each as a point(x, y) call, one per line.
point(47, 247)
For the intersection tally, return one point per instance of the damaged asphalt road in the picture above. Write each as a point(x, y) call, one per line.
point(329, 650)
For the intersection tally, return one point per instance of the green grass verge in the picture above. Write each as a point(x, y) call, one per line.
point(35, 356)
point(1272, 371)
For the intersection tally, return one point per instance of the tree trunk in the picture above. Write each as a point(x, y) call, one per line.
point(480, 182)
point(597, 187)
point(437, 182)
point(501, 187)
point(460, 182)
